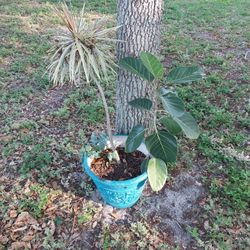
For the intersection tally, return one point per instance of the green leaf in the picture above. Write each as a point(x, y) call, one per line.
point(113, 156)
point(134, 139)
point(141, 103)
point(162, 145)
point(136, 66)
point(153, 64)
point(98, 141)
point(171, 103)
point(144, 165)
point(185, 75)
point(157, 173)
point(188, 125)
point(171, 125)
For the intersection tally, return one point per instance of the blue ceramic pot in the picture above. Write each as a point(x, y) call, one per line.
point(119, 194)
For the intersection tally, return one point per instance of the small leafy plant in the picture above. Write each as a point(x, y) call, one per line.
point(97, 144)
point(168, 121)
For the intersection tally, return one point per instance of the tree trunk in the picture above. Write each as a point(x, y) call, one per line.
point(140, 31)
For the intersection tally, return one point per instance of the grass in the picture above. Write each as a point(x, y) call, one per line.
point(43, 130)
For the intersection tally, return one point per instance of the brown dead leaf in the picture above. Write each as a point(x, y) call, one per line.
point(6, 138)
point(51, 209)
point(24, 218)
point(52, 227)
point(3, 239)
point(127, 236)
point(13, 213)
point(55, 185)
point(36, 228)
point(236, 230)
point(206, 225)
point(8, 225)
point(20, 229)
point(94, 224)
point(24, 131)
point(20, 245)
point(28, 237)
point(26, 188)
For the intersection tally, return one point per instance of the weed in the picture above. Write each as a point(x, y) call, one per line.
point(237, 139)
point(87, 216)
point(139, 229)
point(29, 124)
point(195, 234)
point(28, 139)
point(16, 95)
point(35, 207)
point(220, 118)
point(4, 204)
point(106, 239)
point(213, 60)
point(236, 190)
point(62, 113)
point(50, 243)
point(214, 79)
point(10, 148)
point(37, 158)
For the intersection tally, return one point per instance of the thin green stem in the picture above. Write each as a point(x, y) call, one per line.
point(109, 131)
point(160, 111)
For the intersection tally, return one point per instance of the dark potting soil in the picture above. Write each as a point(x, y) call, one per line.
point(129, 166)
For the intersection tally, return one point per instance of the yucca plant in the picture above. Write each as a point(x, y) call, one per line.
point(82, 53)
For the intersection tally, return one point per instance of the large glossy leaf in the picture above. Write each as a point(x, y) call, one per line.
point(134, 139)
point(157, 173)
point(171, 125)
point(141, 103)
point(153, 64)
point(162, 145)
point(185, 75)
point(172, 104)
point(188, 125)
point(137, 67)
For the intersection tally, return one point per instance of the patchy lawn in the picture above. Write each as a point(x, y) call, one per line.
point(46, 201)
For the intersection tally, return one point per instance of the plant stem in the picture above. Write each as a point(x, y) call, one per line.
point(109, 131)
point(160, 111)
point(155, 121)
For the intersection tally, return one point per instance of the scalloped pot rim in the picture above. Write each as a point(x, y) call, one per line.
point(119, 140)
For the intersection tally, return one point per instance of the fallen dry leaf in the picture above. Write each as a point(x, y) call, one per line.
point(20, 229)
point(94, 224)
point(6, 138)
point(36, 228)
point(23, 219)
point(13, 213)
point(28, 237)
point(20, 245)
point(3, 239)
point(52, 227)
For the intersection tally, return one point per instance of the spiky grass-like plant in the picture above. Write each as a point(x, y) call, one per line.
point(82, 54)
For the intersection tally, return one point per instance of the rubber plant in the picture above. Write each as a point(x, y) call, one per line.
point(82, 54)
point(168, 121)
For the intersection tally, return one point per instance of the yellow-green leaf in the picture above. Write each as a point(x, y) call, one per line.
point(157, 173)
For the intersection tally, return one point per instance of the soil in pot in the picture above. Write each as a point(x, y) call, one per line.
point(129, 166)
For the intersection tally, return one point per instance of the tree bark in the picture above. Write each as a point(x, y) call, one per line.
point(140, 31)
